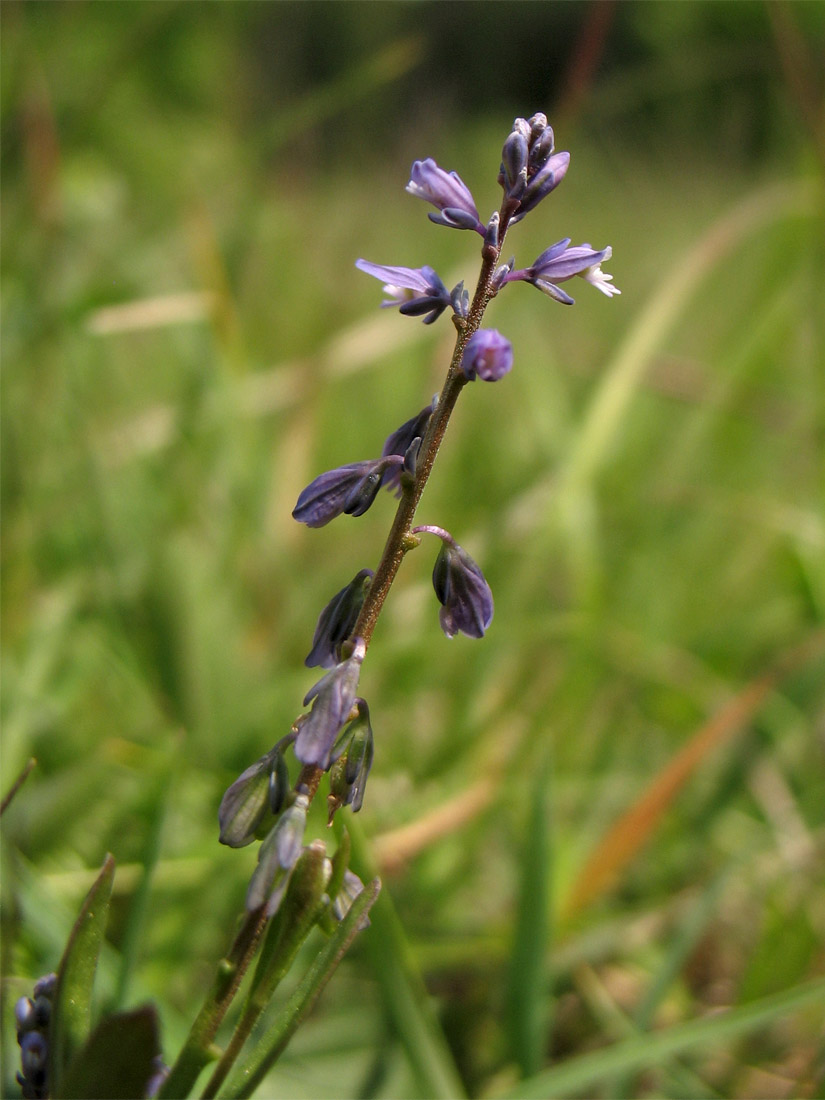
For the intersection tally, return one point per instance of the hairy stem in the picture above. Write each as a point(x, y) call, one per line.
point(197, 1050)
point(400, 538)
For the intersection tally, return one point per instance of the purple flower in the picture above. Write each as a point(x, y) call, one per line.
point(417, 291)
point(347, 489)
point(488, 356)
point(336, 621)
point(333, 697)
point(400, 441)
point(277, 856)
point(448, 192)
point(349, 776)
point(465, 597)
point(559, 262)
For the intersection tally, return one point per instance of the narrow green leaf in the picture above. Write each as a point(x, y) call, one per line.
point(248, 1075)
point(116, 1062)
point(527, 1001)
point(578, 1075)
point(72, 1010)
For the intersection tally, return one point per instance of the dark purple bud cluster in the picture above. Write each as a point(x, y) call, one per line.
point(32, 1016)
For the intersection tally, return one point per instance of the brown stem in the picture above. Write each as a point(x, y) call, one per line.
point(400, 538)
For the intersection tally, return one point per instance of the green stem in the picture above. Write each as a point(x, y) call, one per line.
point(197, 1051)
point(246, 1080)
point(296, 918)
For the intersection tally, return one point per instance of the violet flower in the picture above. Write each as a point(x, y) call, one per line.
point(465, 596)
point(333, 697)
point(277, 855)
point(448, 192)
point(347, 489)
point(488, 356)
point(400, 441)
point(416, 291)
point(559, 263)
point(353, 756)
point(337, 620)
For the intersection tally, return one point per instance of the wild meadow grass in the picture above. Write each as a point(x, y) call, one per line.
point(601, 829)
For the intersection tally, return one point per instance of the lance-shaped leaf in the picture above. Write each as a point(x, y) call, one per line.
point(118, 1060)
point(72, 1008)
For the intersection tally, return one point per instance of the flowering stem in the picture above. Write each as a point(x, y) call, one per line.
point(401, 538)
point(197, 1050)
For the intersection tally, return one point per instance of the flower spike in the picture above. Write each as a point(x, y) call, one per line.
point(332, 699)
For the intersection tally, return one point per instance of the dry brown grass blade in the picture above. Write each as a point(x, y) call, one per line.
point(393, 849)
point(636, 826)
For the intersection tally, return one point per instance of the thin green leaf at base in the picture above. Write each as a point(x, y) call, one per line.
point(72, 1009)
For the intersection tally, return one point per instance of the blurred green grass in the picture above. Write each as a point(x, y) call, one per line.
point(186, 344)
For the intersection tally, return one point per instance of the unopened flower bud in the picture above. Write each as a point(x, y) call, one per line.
point(46, 986)
point(488, 356)
point(333, 697)
point(337, 620)
point(349, 774)
point(247, 801)
point(351, 887)
point(307, 884)
point(398, 443)
point(24, 1014)
point(448, 192)
point(348, 490)
point(513, 176)
point(277, 856)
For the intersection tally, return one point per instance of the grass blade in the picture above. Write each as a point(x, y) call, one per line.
point(645, 1051)
point(404, 993)
point(527, 996)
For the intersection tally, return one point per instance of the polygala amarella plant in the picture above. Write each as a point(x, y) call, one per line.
point(326, 734)
point(295, 885)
